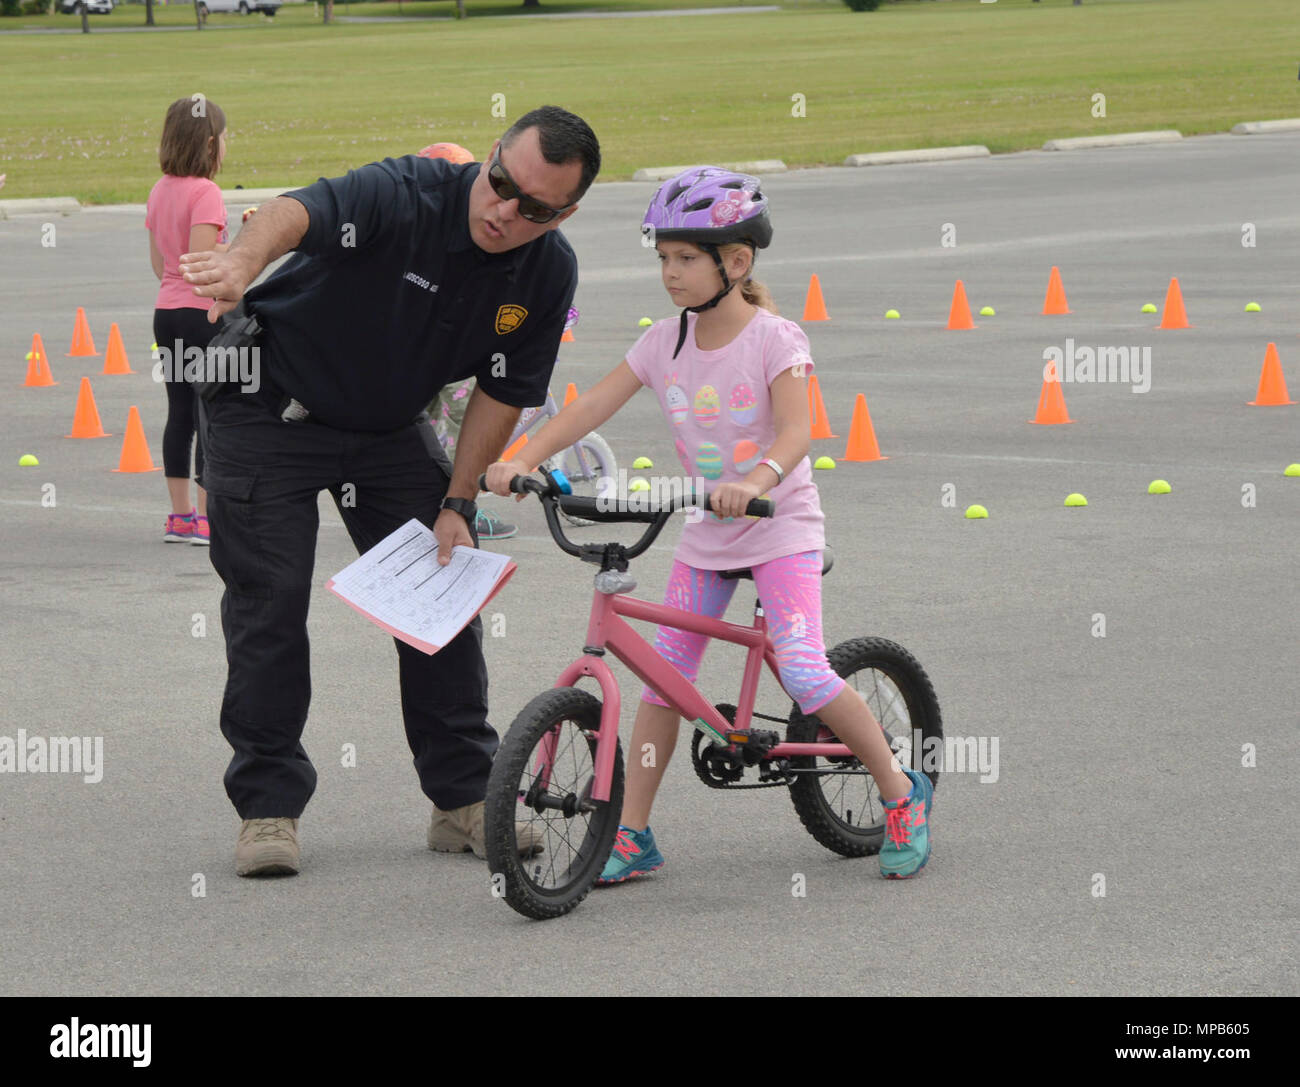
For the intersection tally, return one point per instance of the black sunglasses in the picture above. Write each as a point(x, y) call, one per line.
point(530, 208)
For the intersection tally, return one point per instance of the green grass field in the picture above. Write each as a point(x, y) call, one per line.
point(83, 112)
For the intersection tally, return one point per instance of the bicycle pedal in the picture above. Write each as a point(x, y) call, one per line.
point(754, 740)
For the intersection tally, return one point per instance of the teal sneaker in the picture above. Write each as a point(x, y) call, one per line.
point(635, 854)
point(907, 830)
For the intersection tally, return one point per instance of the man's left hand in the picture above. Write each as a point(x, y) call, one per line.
point(450, 530)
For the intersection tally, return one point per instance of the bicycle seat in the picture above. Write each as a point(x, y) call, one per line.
point(745, 574)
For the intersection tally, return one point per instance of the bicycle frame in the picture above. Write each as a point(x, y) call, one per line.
point(607, 630)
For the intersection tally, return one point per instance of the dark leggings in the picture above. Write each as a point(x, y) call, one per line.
point(191, 328)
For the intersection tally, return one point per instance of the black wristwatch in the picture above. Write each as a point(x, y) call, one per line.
point(464, 506)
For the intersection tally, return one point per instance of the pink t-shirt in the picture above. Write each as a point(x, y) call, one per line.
point(176, 204)
point(719, 407)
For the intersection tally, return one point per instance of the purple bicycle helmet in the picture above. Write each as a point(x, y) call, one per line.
point(709, 206)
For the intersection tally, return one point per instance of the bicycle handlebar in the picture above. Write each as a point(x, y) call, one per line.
point(604, 511)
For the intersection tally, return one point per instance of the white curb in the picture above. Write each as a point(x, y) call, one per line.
point(1118, 139)
point(919, 154)
point(758, 166)
point(1250, 128)
point(39, 205)
point(255, 196)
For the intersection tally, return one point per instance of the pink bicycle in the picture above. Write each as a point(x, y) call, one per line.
point(560, 766)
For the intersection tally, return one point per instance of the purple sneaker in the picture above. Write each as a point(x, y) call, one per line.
point(179, 528)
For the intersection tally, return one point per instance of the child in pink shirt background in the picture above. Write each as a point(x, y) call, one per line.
point(730, 376)
point(185, 214)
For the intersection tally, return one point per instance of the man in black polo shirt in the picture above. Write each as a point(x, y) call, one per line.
point(409, 274)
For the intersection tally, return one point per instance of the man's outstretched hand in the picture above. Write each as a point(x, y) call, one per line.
point(223, 276)
point(277, 228)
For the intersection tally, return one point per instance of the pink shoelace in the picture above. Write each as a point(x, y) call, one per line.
point(900, 820)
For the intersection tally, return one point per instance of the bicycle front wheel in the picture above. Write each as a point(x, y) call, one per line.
point(586, 471)
point(542, 780)
point(836, 798)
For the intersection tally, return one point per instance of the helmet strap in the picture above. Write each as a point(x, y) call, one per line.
point(726, 289)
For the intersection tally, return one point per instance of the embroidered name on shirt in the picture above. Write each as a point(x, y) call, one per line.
point(420, 281)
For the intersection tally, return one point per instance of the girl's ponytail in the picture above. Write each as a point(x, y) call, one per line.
point(756, 294)
point(753, 292)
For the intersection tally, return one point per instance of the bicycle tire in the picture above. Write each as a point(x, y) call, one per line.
point(827, 818)
point(601, 463)
point(532, 885)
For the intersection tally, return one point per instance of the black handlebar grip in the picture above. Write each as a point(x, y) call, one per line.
point(517, 484)
point(761, 507)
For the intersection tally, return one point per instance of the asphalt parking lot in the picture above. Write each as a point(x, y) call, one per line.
point(1119, 756)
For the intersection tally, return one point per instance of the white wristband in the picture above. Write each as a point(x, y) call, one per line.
point(780, 475)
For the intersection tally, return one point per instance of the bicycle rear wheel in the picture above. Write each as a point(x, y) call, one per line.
point(840, 805)
point(585, 473)
point(542, 778)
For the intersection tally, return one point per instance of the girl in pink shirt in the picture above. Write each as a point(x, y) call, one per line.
point(185, 214)
point(730, 376)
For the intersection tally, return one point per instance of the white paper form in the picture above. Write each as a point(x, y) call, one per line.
point(399, 586)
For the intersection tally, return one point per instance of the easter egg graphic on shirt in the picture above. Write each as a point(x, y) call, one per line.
point(708, 406)
point(742, 405)
point(745, 456)
point(708, 460)
point(675, 398)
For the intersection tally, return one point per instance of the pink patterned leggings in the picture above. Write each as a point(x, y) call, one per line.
point(791, 591)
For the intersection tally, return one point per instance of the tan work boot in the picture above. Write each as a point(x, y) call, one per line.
point(267, 847)
point(461, 830)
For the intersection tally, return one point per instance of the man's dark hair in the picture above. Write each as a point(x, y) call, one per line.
point(563, 137)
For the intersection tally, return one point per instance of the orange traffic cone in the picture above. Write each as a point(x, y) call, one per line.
point(1051, 402)
point(570, 394)
point(1055, 302)
point(959, 315)
point(38, 365)
point(115, 361)
point(567, 337)
point(82, 344)
point(862, 436)
point(821, 424)
point(135, 450)
point(1272, 385)
point(814, 307)
point(509, 454)
point(85, 424)
point(1175, 316)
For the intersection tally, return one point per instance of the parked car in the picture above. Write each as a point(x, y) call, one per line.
point(270, 7)
point(95, 7)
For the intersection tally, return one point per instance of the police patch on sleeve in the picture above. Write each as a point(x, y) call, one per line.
point(509, 318)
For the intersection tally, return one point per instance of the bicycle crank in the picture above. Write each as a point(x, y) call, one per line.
point(723, 765)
